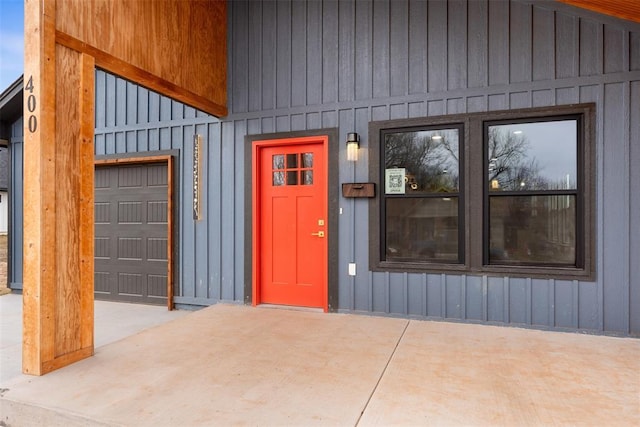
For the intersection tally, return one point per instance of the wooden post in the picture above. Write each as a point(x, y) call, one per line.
point(58, 197)
point(64, 41)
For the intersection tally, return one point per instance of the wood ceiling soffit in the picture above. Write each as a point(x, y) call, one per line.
point(625, 9)
point(184, 55)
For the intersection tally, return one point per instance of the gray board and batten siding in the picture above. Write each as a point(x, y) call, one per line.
point(14, 267)
point(299, 66)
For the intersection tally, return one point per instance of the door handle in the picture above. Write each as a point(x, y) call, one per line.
point(319, 234)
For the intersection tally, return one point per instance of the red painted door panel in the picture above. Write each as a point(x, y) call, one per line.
point(293, 231)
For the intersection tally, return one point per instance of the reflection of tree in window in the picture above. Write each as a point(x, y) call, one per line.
point(512, 166)
point(509, 166)
point(538, 226)
point(422, 223)
point(430, 159)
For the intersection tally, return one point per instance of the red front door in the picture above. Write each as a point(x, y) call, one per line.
point(291, 246)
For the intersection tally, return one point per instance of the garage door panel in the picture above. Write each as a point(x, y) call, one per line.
point(157, 176)
point(101, 247)
point(102, 179)
point(130, 248)
point(157, 249)
point(130, 212)
point(157, 285)
point(131, 233)
point(102, 213)
point(101, 282)
point(131, 176)
point(157, 212)
point(131, 284)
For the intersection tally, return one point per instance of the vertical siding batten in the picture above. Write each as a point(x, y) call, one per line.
point(634, 208)
point(240, 131)
point(437, 47)
point(417, 44)
point(615, 208)
point(543, 44)
point(227, 189)
point(360, 209)
point(398, 47)
point(520, 22)
point(214, 214)
point(381, 46)
point(298, 54)
point(457, 44)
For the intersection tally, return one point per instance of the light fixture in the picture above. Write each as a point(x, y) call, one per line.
point(353, 144)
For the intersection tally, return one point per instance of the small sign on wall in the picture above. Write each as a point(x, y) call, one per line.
point(394, 180)
point(197, 143)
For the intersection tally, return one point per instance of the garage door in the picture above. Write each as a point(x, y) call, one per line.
point(131, 230)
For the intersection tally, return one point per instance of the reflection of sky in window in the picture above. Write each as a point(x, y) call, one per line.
point(553, 145)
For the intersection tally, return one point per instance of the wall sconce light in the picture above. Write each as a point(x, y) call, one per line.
point(353, 144)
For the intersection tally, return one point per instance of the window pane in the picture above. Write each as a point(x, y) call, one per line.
point(532, 230)
point(307, 177)
point(292, 177)
point(307, 160)
point(533, 156)
point(422, 229)
point(278, 179)
point(292, 161)
point(278, 161)
point(428, 159)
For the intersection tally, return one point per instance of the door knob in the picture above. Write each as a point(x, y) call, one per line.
point(319, 234)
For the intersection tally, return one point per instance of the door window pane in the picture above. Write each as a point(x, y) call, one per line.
point(307, 177)
point(278, 161)
point(278, 179)
point(292, 161)
point(307, 160)
point(532, 156)
point(292, 177)
point(532, 230)
point(422, 229)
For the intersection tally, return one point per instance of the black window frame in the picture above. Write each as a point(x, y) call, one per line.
point(431, 195)
point(474, 193)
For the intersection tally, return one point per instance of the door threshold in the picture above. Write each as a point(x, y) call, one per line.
point(291, 307)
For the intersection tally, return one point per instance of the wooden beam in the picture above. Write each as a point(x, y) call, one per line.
point(58, 223)
point(175, 47)
point(142, 77)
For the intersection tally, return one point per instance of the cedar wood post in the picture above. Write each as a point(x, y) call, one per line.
point(58, 197)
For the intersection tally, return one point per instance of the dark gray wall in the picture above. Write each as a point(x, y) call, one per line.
point(131, 119)
point(15, 206)
point(299, 65)
point(4, 168)
point(304, 65)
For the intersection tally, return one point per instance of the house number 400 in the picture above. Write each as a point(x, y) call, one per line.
point(31, 106)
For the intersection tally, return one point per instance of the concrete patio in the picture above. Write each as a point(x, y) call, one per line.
point(238, 365)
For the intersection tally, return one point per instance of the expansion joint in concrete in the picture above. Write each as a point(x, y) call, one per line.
point(383, 372)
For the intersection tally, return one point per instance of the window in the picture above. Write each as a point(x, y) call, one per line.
point(292, 169)
point(421, 207)
point(507, 192)
point(532, 192)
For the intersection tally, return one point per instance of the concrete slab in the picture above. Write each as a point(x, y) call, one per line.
point(460, 374)
point(238, 365)
point(223, 365)
point(113, 321)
